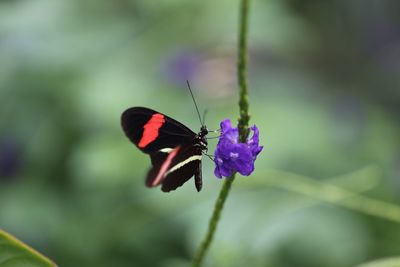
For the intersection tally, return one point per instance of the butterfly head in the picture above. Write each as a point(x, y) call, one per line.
point(201, 136)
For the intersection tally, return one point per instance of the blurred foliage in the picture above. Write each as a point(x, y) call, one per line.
point(15, 253)
point(387, 262)
point(324, 91)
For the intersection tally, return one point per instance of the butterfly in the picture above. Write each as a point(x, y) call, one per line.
point(175, 150)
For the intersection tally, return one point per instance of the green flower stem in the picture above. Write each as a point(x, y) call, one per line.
point(334, 194)
point(212, 226)
point(243, 126)
point(242, 73)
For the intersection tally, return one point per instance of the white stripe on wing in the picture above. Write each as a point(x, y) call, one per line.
point(183, 163)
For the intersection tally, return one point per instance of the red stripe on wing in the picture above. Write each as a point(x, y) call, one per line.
point(151, 129)
point(164, 166)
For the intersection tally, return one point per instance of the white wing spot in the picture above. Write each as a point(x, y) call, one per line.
point(166, 150)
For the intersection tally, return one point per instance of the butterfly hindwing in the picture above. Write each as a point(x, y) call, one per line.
point(186, 164)
point(152, 131)
point(174, 168)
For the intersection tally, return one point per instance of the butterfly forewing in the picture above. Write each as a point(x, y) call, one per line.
point(151, 131)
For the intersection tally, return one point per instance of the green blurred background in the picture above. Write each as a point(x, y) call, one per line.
point(324, 82)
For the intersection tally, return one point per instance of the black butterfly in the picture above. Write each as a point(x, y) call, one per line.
point(174, 149)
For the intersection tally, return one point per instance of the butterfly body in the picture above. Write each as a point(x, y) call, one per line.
point(174, 149)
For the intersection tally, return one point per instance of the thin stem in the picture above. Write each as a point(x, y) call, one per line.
point(243, 126)
point(212, 225)
point(242, 73)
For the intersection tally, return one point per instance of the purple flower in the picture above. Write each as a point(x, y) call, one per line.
point(182, 66)
point(10, 158)
point(232, 156)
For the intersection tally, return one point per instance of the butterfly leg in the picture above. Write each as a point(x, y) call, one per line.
point(214, 131)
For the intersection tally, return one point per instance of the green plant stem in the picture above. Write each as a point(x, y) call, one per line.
point(242, 73)
point(243, 126)
point(334, 194)
point(212, 225)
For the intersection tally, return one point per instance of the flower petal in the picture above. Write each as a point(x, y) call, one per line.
point(228, 133)
point(253, 141)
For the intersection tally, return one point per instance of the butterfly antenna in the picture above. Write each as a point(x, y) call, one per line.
point(194, 101)
point(204, 117)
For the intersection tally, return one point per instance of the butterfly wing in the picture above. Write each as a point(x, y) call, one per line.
point(152, 131)
point(173, 168)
